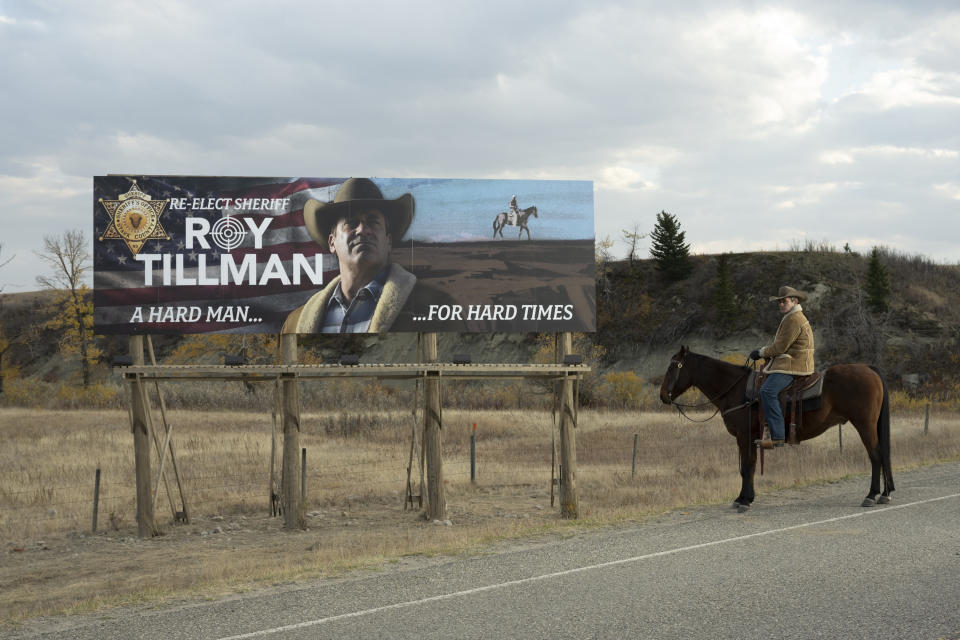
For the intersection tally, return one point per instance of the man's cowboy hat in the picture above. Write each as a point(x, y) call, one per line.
point(357, 194)
point(789, 292)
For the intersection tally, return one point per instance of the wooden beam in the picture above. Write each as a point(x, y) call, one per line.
point(167, 428)
point(261, 373)
point(436, 501)
point(293, 508)
point(146, 526)
point(569, 502)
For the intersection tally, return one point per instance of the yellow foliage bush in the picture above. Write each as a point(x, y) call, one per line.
point(95, 396)
point(30, 392)
point(903, 400)
point(622, 389)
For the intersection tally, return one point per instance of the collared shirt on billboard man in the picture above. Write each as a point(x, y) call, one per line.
point(353, 316)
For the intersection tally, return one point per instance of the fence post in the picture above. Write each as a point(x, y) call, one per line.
point(636, 439)
point(473, 455)
point(303, 476)
point(926, 420)
point(96, 499)
point(293, 517)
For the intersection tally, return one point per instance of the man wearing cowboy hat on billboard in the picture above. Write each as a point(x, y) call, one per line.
point(790, 355)
point(371, 294)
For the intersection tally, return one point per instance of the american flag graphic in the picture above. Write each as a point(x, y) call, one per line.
point(125, 304)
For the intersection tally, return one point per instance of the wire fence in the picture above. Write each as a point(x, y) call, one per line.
point(341, 471)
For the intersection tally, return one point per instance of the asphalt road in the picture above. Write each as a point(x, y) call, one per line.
point(803, 563)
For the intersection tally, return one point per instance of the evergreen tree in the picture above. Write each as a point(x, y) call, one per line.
point(671, 254)
point(724, 297)
point(878, 284)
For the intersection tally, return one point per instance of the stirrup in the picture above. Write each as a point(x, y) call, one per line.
point(764, 440)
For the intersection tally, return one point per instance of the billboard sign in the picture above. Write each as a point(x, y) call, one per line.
point(182, 254)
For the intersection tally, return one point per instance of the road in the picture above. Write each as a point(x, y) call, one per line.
point(803, 563)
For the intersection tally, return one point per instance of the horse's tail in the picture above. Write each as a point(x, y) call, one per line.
point(883, 435)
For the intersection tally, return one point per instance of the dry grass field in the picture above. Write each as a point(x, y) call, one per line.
point(52, 563)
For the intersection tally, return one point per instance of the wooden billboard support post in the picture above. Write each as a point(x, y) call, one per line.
point(146, 527)
point(288, 374)
point(436, 502)
point(293, 513)
point(168, 428)
point(569, 502)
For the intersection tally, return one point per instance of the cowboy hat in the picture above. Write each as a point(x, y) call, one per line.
point(789, 292)
point(358, 194)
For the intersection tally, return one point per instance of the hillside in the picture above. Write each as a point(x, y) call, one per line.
point(643, 320)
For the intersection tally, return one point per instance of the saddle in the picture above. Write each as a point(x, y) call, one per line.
point(805, 393)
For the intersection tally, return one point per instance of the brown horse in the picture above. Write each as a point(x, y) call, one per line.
point(851, 392)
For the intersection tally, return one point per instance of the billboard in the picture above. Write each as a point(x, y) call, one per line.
point(188, 254)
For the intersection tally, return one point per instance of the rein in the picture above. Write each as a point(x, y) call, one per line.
point(680, 406)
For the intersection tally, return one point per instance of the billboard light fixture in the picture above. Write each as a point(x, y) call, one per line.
point(572, 359)
point(349, 359)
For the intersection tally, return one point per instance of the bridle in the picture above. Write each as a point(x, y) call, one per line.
point(680, 406)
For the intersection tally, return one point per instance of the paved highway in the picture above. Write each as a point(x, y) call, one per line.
point(804, 563)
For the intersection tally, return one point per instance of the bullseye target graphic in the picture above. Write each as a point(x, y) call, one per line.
point(228, 233)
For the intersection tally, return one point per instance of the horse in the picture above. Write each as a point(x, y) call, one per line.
point(851, 392)
point(503, 219)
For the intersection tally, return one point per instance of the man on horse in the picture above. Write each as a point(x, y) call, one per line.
point(514, 211)
point(790, 355)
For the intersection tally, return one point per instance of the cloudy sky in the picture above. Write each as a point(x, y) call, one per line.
point(760, 125)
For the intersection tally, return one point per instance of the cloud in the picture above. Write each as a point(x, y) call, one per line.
point(626, 179)
point(42, 182)
point(949, 189)
point(909, 86)
point(809, 194)
point(849, 156)
point(732, 116)
point(767, 67)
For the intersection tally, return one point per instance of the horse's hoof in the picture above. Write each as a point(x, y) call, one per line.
point(883, 500)
point(868, 502)
point(743, 508)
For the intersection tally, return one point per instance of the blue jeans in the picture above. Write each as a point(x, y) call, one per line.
point(772, 386)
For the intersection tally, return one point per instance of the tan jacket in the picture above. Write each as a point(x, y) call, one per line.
point(792, 348)
point(396, 290)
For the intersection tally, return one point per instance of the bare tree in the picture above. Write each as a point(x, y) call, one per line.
point(602, 258)
point(68, 258)
point(632, 238)
point(4, 262)
point(5, 342)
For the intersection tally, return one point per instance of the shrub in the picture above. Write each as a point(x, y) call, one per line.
point(621, 389)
